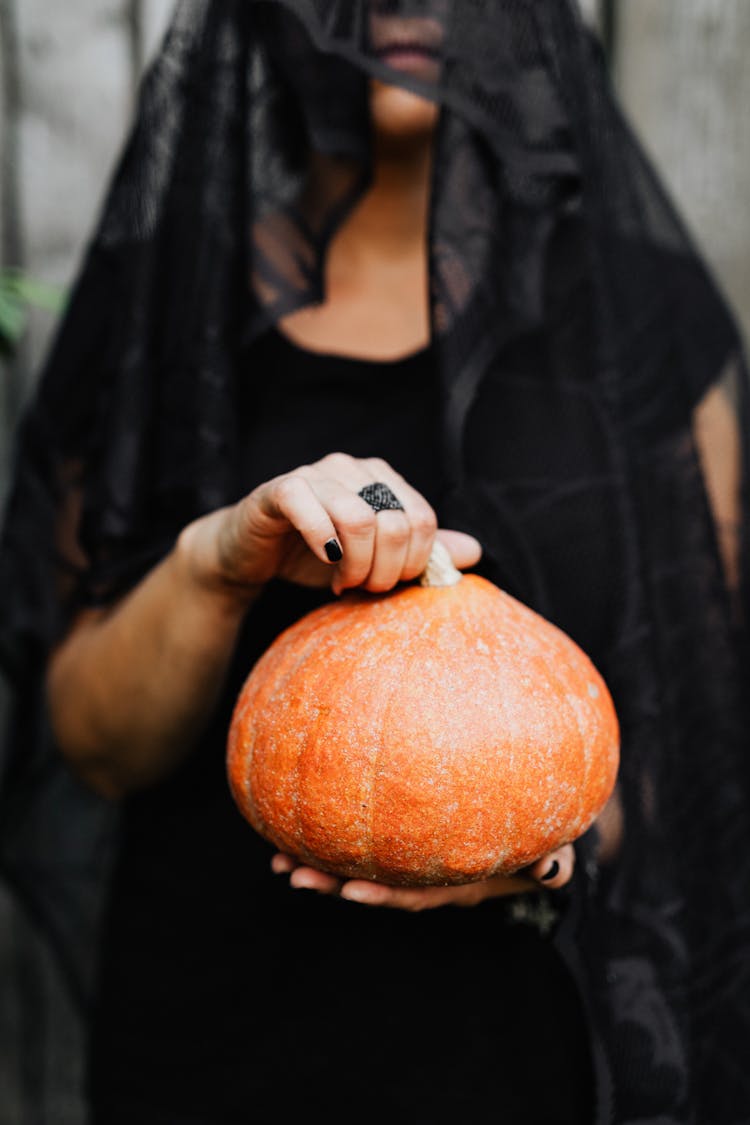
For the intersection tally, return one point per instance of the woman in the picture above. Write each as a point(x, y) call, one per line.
point(492, 311)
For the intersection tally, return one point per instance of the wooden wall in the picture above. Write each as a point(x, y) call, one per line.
point(681, 69)
point(69, 70)
point(69, 76)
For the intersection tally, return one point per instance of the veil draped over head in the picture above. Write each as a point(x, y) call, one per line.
point(594, 407)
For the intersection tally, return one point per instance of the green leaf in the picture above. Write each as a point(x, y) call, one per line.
point(38, 294)
point(18, 294)
point(12, 319)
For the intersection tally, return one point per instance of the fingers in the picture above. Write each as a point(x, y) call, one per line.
point(416, 899)
point(418, 520)
point(283, 864)
point(310, 879)
point(557, 866)
point(388, 546)
point(399, 542)
point(355, 528)
point(292, 500)
point(552, 871)
point(291, 525)
point(304, 878)
point(413, 899)
point(371, 550)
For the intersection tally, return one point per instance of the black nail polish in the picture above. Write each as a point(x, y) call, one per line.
point(554, 869)
point(333, 550)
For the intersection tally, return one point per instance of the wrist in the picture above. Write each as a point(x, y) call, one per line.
point(198, 560)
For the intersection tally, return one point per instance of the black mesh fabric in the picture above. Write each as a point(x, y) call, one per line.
point(594, 402)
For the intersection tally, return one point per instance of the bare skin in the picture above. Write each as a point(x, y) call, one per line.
point(376, 270)
point(131, 687)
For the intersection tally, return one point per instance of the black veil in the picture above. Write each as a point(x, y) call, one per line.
point(594, 405)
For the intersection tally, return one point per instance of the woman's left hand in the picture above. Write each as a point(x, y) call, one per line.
point(552, 871)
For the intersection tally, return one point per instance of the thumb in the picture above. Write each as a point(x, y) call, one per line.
point(464, 549)
point(555, 869)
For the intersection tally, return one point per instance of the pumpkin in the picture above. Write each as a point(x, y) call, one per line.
point(441, 733)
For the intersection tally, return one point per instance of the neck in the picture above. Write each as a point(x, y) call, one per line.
point(391, 220)
point(376, 268)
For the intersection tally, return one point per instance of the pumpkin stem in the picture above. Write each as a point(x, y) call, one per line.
point(440, 570)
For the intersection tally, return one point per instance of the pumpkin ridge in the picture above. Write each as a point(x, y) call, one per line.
point(334, 677)
point(584, 752)
point(328, 627)
point(377, 866)
point(426, 638)
point(384, 697)
point(276, 668)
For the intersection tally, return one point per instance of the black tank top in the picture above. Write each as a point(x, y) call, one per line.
point(226, 996)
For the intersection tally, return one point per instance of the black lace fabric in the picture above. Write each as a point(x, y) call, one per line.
point(595, 440)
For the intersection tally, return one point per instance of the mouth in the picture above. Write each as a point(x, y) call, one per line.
point(412, 45)
point(408, 56)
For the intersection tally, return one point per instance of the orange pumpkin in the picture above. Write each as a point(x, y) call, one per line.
point(436, 734)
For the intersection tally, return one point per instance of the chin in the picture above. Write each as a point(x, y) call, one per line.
point(399, 114)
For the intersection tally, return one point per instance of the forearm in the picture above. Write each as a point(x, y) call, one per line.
point(131, 687)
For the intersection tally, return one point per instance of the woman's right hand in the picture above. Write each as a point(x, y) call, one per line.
point(310, 527)
point(130, 686)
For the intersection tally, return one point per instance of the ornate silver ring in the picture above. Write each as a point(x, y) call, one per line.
point(380, 498)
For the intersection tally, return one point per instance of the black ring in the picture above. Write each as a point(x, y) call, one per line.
point(380, 498)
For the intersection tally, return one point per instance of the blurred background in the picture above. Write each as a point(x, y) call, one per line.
point(69, 74)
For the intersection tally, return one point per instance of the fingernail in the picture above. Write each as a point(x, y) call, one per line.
point(553, 871)
point(333, 550)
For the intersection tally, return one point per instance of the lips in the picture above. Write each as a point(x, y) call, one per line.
point(389, 33)
point(411, 60)
point(412, 45)
point(412, 57)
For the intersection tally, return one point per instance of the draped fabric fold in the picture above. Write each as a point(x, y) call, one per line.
point(584, 353)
